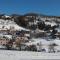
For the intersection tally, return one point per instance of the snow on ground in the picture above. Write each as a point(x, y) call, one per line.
point(9, 23)
point(45, 44)
point(50, 23)
point(40, 40)
point(57, 41)
point(27, 55)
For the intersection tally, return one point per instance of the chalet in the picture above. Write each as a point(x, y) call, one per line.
point(20, 40)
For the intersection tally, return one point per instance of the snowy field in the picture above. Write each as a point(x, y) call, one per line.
point(25, 55)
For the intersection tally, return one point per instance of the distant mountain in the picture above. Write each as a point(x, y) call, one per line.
point(31, 14)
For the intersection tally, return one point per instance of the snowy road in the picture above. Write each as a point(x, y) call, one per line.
point(25, 55)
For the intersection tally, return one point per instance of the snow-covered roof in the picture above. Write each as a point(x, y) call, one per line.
point(8, 36)
point(27, 35)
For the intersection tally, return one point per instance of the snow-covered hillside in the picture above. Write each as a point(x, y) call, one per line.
point(7, 24)
point(41, 43)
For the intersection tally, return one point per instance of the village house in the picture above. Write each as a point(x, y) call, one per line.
point(19, 41)
point(21, 37)
point(4, 41)
point(8, 32)
point(5, 32)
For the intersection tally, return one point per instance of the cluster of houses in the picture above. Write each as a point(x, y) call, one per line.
point(13, 37)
